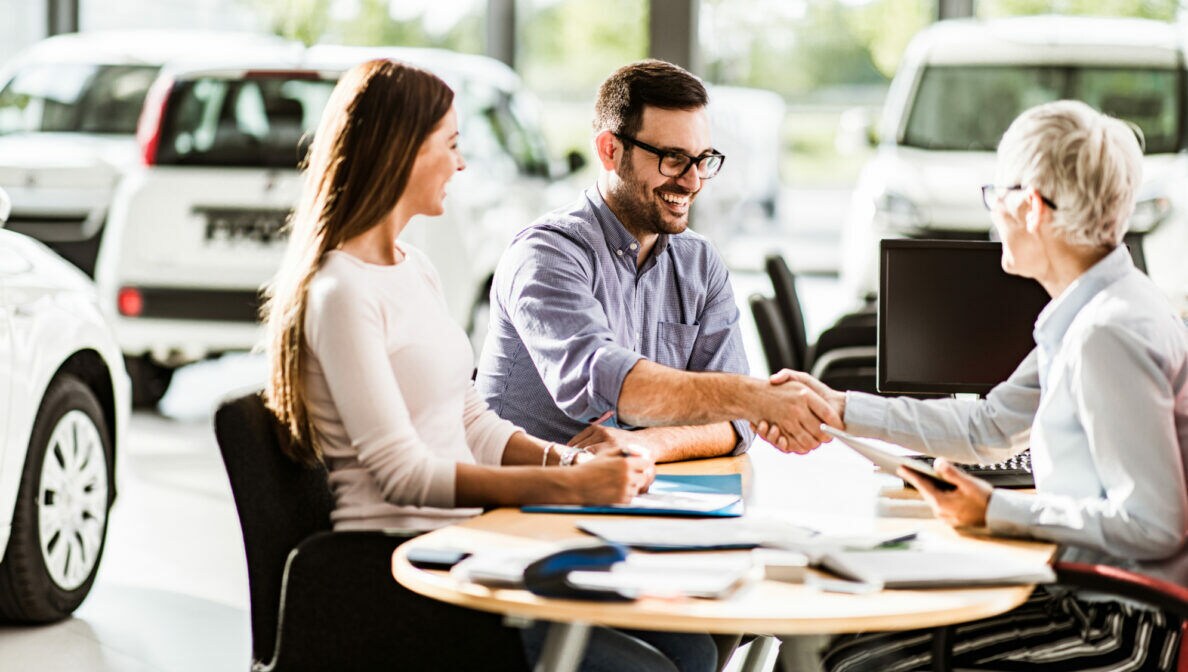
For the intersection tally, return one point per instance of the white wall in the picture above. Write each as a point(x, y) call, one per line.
point(22, 25)
point(23, 22)
point(197, 14)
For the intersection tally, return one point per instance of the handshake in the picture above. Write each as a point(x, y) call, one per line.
point(790, 412)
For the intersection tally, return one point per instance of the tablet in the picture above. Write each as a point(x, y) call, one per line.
point(888, 462)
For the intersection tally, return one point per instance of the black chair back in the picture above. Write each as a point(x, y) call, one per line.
point(783, 283)
point(280, 503)
point(777, 348)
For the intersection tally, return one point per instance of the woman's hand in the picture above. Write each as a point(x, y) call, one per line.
point(614, 479)
point(964, 507)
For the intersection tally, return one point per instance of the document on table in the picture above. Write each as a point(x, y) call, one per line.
point(708, 575)
point(932, 569)
point(714, 495)
point(689, 535)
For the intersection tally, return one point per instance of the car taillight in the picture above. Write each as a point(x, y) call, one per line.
point(152, 115)
point(130, 302)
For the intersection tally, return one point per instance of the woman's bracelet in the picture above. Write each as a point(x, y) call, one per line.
point(571, 457)
point(544, 459)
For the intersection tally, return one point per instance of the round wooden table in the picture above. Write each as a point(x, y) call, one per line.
point(765, 607)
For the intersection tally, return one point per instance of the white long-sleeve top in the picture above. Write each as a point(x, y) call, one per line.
point(387, 383)
point(1104, 401)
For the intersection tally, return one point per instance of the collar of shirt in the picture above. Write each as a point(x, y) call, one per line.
point(618, 239)
point(1054, 320)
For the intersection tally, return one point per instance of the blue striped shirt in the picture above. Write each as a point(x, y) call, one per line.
point(571, 314)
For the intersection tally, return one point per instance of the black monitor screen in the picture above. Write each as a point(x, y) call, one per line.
point(950, 319)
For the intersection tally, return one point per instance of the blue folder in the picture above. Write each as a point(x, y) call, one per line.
point(719, 484)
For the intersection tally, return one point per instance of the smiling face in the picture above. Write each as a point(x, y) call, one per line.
point(645, 201)
point(437, 161)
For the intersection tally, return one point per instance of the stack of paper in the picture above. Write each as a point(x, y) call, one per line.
point(933, 569)
point(708, 575)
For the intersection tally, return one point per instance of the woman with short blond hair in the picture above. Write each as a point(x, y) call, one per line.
point(1102, 400)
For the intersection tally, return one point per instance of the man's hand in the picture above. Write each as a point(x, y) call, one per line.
point(773, 432)
point(964, 507)
point(791, 413)
point(603, 440)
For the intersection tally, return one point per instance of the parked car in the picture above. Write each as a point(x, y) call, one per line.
point(69, 106)
point(197, 227)
point(960, 85)
point(64, 401)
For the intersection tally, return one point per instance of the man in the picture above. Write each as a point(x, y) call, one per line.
point(611, 309)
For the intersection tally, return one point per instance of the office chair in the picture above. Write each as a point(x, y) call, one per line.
point(1168, 597)
point(323, 600)
point(845, 357)
point(777, 347)
point(783, 283)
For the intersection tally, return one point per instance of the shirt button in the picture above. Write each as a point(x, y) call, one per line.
point(619, 252)
point(633, 246)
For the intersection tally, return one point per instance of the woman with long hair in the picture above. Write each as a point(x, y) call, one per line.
point(367, 370)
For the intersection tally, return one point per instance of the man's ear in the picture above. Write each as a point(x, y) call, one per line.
point(608, 147)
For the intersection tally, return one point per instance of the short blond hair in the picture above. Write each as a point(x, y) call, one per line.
point(1086, 162)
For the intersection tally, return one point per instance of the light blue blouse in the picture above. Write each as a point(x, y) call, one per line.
point(1103, 402)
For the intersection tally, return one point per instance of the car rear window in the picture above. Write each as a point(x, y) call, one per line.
point(261, 120)
point(74, 98)
point(969, 107)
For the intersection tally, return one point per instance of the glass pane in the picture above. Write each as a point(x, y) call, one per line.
point(252, 122)
point(75, 98)
point(673, 164)
point(969, 107)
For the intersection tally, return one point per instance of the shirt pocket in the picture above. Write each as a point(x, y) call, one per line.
point(674, 343)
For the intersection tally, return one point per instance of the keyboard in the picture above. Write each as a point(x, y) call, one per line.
point(1014, 472)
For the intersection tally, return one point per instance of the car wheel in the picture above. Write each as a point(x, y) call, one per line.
point(59, 524)
point(150, 380)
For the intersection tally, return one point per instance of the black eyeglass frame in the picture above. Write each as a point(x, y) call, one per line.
point(988, 188)
point(690, 160)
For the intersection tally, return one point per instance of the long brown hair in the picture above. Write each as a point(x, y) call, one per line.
point(357, 168)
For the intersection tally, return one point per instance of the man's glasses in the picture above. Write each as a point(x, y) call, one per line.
point(675, 164)
point(991, 194)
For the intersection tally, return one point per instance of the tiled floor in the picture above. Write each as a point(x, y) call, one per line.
point(171, 594)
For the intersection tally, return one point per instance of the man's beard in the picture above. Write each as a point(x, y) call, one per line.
point(639, 211)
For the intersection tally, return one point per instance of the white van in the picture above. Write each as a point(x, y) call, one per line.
point(194, 230)
point(69, 106)
point(960, 85)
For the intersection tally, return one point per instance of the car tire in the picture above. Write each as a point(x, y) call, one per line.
point(59, 524)
point(150, 380)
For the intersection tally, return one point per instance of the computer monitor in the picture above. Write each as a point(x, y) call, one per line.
point(950, 319)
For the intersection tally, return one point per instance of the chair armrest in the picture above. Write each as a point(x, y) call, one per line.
point(1167, 596)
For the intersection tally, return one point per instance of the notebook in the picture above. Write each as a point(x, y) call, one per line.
point(710, 495)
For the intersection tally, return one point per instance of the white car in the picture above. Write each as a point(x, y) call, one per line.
point(64, 403)
point(69, 106)
point(195, 230)
point(960, 85)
